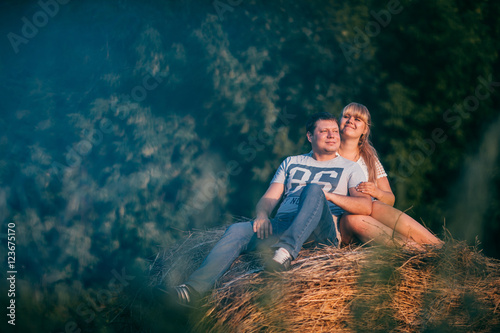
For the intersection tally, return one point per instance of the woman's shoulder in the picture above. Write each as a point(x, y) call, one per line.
point(379, 168)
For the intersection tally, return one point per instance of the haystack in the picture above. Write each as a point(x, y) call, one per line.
point(358, 288)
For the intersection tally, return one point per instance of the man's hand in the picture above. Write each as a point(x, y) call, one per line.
point(369, 188)
point(263, 227)
point(261, 224)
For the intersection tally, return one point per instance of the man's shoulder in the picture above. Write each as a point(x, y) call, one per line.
point(350, 167)
point(307, 160)
point(355, 170)
point(346, 162)
point(298, 158)
point(307, 157)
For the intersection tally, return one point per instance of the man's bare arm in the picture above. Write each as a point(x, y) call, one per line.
point(356, 203)
point(265, 206)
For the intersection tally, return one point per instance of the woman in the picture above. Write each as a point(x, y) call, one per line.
point(385, 224)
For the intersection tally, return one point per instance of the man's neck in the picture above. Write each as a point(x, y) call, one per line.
point(323, 156)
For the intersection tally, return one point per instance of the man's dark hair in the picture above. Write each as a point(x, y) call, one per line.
point(313, 119)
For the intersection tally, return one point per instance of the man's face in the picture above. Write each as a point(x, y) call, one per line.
point(326, 137)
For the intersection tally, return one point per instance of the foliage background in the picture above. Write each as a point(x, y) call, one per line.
point(98, 172)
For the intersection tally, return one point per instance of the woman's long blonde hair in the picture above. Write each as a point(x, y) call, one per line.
point(365, 146)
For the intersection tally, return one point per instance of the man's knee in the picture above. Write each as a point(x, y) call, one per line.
point(241, 231)
point(313, 190)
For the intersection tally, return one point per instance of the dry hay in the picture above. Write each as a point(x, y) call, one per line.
point(455, 288)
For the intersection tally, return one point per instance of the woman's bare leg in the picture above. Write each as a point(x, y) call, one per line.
point(367, 229)
point(403, 224)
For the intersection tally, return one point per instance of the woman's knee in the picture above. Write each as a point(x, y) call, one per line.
point(347, 228)
point(354, 223)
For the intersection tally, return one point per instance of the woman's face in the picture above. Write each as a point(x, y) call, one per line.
point(352, 126)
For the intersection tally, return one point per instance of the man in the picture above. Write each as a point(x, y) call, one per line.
point(316, 187)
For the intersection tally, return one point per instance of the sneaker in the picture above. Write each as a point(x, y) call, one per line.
point(281, 261)
point(182, 295)
point(185, 295)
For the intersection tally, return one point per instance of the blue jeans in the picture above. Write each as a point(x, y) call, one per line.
point(312, 221)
